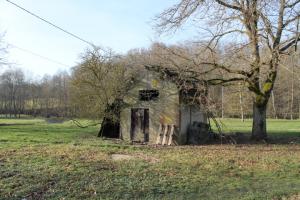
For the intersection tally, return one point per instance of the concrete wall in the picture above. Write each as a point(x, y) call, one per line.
point(163, 110)
point(188, 115)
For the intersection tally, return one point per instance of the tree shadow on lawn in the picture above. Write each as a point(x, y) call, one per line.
point(16, 124)
point(274, 137)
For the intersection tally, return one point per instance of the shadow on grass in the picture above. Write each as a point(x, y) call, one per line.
point(280, 131)
point(245, 138)
point(284, 138)
point(16, 124)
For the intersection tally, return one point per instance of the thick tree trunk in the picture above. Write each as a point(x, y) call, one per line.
point(259, 127)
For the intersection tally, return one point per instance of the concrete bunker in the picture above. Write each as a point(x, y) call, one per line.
point(160, 112)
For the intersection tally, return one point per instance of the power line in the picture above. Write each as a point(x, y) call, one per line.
point(38, 55)
point(50, 23)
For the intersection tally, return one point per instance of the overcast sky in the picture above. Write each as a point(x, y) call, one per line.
point(118, 24)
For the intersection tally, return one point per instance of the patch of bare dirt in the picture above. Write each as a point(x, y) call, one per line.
point(125, 157)
point(121, 157)
point(294, 197)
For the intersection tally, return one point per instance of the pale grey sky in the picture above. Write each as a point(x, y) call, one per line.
point(118, 24)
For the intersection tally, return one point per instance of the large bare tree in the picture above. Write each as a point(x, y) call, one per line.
point(100, 83)
point(260, 33)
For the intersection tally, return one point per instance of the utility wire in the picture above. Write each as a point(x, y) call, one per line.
point(51, 24)
point(38, 55)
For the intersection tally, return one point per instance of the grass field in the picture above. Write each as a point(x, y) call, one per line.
point(280, 131)
point(60, 161)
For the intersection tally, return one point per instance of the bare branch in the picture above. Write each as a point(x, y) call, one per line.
point(227, 69)
point(220, 81)
point(292, 4)
point(292, 42)
point(223, 3)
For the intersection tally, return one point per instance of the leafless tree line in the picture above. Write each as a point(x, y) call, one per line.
point(95, 84)
point(21, 96)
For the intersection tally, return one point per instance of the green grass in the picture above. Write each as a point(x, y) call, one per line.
point(61, 161)
point(273, 125)
point(283, 131)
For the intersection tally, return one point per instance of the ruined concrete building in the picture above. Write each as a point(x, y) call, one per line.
point(158, 111)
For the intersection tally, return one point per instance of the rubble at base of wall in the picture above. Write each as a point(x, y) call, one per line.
point(198, 133)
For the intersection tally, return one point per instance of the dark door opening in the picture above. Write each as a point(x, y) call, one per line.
point(110, 126)
point(139, 131)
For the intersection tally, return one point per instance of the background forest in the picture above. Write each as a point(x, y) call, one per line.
point(62, 95)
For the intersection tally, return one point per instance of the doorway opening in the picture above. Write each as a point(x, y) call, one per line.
point(139, 131)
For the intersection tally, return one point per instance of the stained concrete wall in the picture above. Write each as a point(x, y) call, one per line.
point(165, 110)
point(188, 115)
